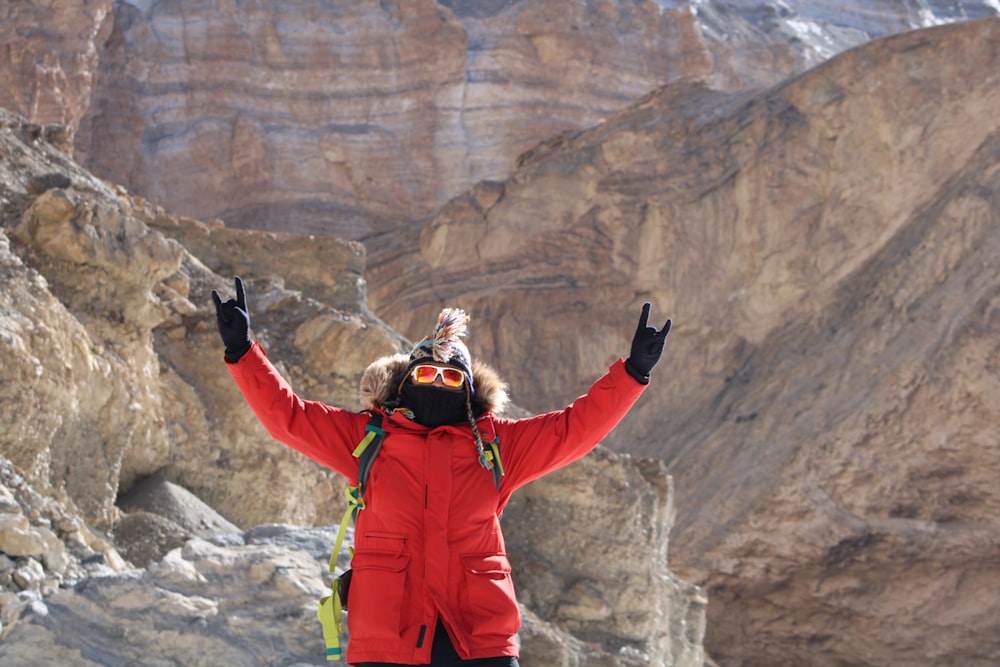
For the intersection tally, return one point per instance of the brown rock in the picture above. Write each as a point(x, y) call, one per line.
point(112, 369)
point(112, 365)
point(345, 119)
point(50, 53)
point(709, 205)
point(827, 250)
point(606, 577)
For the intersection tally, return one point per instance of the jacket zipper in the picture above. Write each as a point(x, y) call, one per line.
point(426, 495)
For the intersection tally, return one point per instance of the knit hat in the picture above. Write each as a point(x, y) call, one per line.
point(444, 346)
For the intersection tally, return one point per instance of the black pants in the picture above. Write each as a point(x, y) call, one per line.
point(443, 654)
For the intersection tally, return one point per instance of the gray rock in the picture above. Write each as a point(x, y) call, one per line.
point(158, 495)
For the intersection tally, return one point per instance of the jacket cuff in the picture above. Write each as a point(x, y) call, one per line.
point(639, 377)
point(253, 350)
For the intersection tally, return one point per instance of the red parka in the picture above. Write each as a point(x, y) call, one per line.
point(428, 543)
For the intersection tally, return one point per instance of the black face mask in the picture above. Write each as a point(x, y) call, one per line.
point(433, 406)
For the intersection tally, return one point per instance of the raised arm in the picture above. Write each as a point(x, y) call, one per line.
point(326, 434)
point(532, 447)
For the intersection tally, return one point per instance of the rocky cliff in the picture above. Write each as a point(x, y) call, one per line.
point(826, 246)
point(347, 119)
point(828, 250)
point(116, 406)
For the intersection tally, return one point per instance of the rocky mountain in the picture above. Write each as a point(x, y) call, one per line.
point(826, 244)
point(348, 119)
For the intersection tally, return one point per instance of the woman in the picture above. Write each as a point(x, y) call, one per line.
point(431, 582)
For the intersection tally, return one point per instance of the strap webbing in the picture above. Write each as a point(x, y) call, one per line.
point(330, 614)
point(493, 455)
point(367, 450)
point(331, 611)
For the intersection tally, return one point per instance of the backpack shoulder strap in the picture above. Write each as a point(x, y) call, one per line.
point(492, 454)
point(365, 452)
point(368, 449)
point(497, 469)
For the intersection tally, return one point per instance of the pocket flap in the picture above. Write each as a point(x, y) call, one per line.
point(486, 563)
point(390, 561)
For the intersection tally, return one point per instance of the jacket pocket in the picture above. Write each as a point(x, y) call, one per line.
point(378, 590)
point(489, 598)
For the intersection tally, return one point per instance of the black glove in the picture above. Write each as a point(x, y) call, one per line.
point(647, 346)
point(233, 319)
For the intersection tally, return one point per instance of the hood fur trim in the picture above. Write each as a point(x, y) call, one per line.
point(381, 379)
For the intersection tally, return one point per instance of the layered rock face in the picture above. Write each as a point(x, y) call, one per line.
point(349, 119)
point(50, 53)
point(732, 212)
point(345, 118)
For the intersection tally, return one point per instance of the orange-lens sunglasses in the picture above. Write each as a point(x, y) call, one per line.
point(451, 377)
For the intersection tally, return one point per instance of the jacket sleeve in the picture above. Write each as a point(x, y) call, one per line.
point(532, 447)
point(324, 433)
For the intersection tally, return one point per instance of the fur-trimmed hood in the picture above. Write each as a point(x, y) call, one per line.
point(382, 378)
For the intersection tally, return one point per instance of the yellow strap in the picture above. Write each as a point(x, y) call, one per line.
point(353, 502)
point(330, 612)
point(495, 455)
point(330, 617)
point(363, 445)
